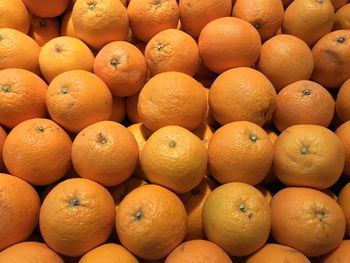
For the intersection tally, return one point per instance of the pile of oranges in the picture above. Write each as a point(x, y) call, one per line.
point(189, 131)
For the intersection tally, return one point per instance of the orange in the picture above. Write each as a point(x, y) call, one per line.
point(278, 254)
point(43, 30)
point(285, 59)
point(342, 19)
point(118, 109)
point(339, 255)
point(131, 108)
point(265, 16)
point(100, 22)
point(105, 152)
point(168, 97)
point(67, 27)
point(308, 155)
point(3, 136)
point(149, 17)
point(303, 102)
point(193, 202)
point(77, 98)
point(240, 151)
point(242, 94)
point(122, 67)
point(30, 252)
point(343, 200)
point(307, 220)
point(339, 3)
point(194, 15)
point(38, 151)
point(18, 51)
point(17, 198)
point(63, 54)
point(204, 132)
point(309, 19)
point(151, 222)
point(332, 59)
point(109, 253)
point(22, 96)
point(172, 50)
point(241, 209)
point(14, 15)
point(76, 216)
point(175, 158)
point(228, 42)
point(209, 119)
point(196, 251)
point(46, 8)
point(343, 134)
point(270, 177)
point(341, 104)
point(266, 192)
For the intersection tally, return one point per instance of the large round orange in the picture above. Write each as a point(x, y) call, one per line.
point(237, 217)
point(81, 93)
point(18, 198)
point(307, 220)
point(172, 50)
point(46, 8)
point(228, 42)
point(149, 17)
point(14, 15)
point(43, 30)
point(151, 222)
point(3, 136)
point(308, 155)
point(22, 96)
point(242, 94)
point(343, 133)
point(18, 51)
point(344, 202)
point(198, 251)
point(122, 67)
point(38, 151)
point(342, 19)
point(100, 22)
point(76, 216)
point(105, 152)
point(339, 255)
point(341, 104)
point(175, 158)
point(167, 99)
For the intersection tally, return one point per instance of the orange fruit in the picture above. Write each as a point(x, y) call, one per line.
point(149, 17)
point(43, 30)
point(193, 202)
point(14, 15)
point(342, 19)
point(332, 59)
point(76, 216)
point(194, 15)
point(266, 193)
point(105, 152)
point(343, 200)
point(278, 254)
point(100, 22)
point(67, 27)
point(175, 158)
point(38, 151)
point(198, 251)
point(308, 155)
point(46, 8)
point(18, 51)
point(22, 96)
point(155, 214)
point(307, 220)
point(63, 54)
point(265, 16)
point(118, 109)
point(240, 151)
point(84, 95)
point(17, 197)
point(242, 94)
point(285, 59)
point(109, 253)
point(270, 177)
point(172, 50)
point(3, 135)
point(343, 134)
point(168, 97)
point(122, 67)
point(339, 3)
point(228, 42)
point(309, 20)
point(339, 255)
point(242, 209)
point(131, 108)
point(341, 104)
point(204, 132)
point(303, 102)
point(30, 252)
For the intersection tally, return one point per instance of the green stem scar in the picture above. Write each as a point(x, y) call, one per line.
point(243, 208)
point(64, 90)
point(40, 129)
point(304, 150)
point(74, 202)
point(138, 215)
point(6, 88)
point(172, 144)
point(307, 91)
point(253, 137)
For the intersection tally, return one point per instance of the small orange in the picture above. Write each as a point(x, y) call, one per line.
point(342, 101)
point(266, 192)
point(339, 3)
point(3, 135)
point(67, 27)
point(46, 8)
point(131, 108)
point(339, 255)
point(343, 134)
point(270, 177)
point(342, 19)
point(344, 202)
point(118, 109)
point(204, 132)
point(14, 15)
point(43, 30)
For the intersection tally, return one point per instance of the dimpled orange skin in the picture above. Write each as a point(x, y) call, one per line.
point(342, 19)
point(341, 104)
point(339, 255)
point(46, 8)
point(118, 109)
point(155, 214)
point(77, 98)
point(19, 210)
point(38, 151)
point(344, 202)
point(14, 15)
